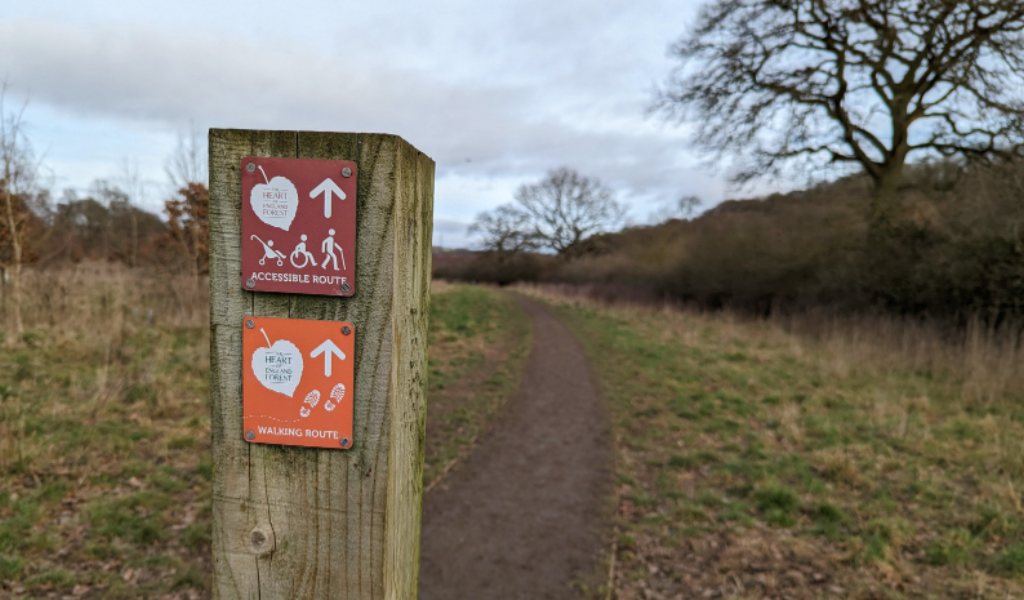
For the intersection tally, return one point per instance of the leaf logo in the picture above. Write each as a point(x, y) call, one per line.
point(275, 202)
point(278, 367)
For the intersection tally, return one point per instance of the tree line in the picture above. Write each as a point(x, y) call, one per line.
point(106, 224)
point(956, 253)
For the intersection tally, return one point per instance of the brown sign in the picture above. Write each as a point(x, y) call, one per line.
point(297, 386)
point(299, 226)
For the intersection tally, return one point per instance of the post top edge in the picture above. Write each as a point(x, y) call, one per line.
point(235, 130)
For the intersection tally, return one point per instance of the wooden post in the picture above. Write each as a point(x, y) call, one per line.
point(306, 523)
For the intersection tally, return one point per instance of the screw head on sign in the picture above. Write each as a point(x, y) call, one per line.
point(249, 323)
point(346, 330)
point(250, 435)
point(345, 442)
point(251, 167)
point(250, 283)
point(346, 172)
point(345, 288)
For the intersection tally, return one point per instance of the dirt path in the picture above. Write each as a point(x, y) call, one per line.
point(519, 518)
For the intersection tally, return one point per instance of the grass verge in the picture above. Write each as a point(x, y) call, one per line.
point(478, 343)
point(752, 463)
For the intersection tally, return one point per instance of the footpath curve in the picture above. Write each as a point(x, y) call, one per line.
point(519, 518)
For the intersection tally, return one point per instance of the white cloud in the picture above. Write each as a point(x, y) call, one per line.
point(496, 93)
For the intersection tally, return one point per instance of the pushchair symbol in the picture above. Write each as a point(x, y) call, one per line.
point(269, 252)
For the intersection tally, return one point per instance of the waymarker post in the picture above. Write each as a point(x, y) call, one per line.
point(331, 521)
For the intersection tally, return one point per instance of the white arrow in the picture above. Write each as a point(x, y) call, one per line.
point(326, 188)
point(327, 349)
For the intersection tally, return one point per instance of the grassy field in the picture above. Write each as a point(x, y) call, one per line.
point(105, 460)
point(798, 459)
point(808, 460)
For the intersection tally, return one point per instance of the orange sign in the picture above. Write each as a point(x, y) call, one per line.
point(297, 382)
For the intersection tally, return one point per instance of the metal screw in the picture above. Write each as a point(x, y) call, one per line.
point(345, 442)
point(250, 435)
point(345, 288)
point(250, 283)
point(249, 323)
point(346, 330)
point(346, 172)
point(251, 167)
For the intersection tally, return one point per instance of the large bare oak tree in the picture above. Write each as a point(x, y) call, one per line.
point(863, 82)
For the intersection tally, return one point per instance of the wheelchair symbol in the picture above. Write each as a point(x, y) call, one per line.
point(300, 252)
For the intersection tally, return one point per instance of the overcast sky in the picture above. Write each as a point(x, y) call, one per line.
point(496, 92)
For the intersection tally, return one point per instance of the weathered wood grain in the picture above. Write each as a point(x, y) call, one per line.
point(308, 523)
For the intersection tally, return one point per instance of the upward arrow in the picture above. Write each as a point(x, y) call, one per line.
point(327, 187)
point(327, 349)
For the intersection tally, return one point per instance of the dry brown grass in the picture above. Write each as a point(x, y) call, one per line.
point(108, 296)
point(986, 362)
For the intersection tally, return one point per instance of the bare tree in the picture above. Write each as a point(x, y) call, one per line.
point(133, 190)
point(505, 230)
point(565, 208)
point(683, 207)
point(188, 209)
point(19, 173)
point(868, 83)
point(187, 164)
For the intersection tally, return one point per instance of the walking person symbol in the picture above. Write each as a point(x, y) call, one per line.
point(301, 252)
point(327, 247)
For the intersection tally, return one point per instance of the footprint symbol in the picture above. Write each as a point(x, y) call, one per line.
point(312, 399)
point(337, 394)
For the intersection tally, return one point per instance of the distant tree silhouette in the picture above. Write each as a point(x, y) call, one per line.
point(558, 213)
point(504, 230)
